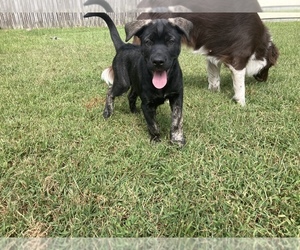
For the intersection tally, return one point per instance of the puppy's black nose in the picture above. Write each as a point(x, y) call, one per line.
point(158, 62)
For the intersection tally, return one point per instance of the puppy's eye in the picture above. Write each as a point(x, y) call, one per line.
point(148, 42)
point(171, 41)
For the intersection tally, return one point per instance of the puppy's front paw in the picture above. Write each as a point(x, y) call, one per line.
point(155, 139)
point(134, 110)
point(178, 141)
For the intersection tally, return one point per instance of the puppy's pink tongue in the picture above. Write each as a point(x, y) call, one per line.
point(159, 79)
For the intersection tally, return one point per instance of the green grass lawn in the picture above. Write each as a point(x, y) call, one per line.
point(65, 171)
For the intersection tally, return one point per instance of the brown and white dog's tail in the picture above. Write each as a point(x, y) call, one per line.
point(108, 76)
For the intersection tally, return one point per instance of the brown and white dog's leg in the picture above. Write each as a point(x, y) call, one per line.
point(213, 71)
point(238, 78)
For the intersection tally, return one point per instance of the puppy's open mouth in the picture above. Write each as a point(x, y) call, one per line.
point(159, 79)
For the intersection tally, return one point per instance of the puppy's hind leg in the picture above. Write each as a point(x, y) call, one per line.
point(132, 97)
point(117, 89)
point(109, 104)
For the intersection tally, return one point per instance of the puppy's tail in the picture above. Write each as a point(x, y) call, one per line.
point(114, 34)
point(102, 3)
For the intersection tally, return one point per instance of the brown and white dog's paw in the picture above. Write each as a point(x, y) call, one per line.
point(240, 101)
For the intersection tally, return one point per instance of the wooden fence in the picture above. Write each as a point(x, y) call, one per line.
point(34, 20)
point(28, 14)
point(62, 5)
point(25, 14)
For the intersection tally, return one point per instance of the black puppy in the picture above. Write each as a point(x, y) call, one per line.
point(150, 70)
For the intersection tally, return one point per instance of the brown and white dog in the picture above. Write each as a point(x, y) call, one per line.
point(187, 6)
point(199, 6)
point(239, 40)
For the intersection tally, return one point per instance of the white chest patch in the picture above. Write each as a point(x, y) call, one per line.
point(254, 65)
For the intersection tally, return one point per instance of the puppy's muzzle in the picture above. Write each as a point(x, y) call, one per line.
point(159, 69)
point(158, 62)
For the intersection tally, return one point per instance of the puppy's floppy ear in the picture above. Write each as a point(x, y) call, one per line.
point(134, 27)
point(184, 25)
